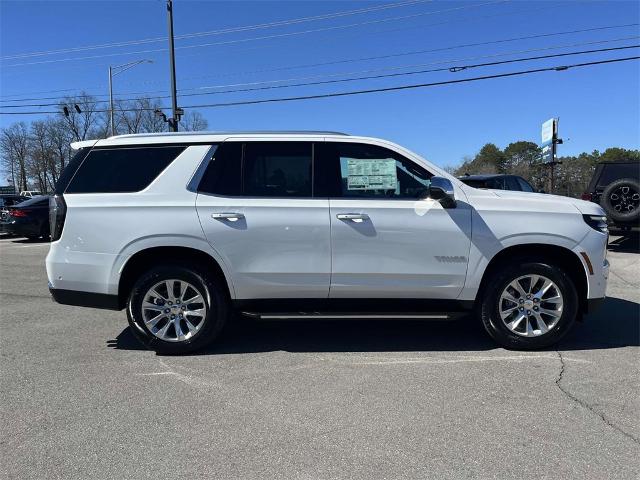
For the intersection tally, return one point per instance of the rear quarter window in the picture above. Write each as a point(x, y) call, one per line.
point(121, 170)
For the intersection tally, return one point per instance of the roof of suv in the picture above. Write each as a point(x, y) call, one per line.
point(197, 137)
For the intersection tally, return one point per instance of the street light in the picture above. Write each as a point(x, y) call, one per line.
point(113, 71)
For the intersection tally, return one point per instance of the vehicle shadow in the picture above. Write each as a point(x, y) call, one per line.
point(627, 243)
point(615, 324)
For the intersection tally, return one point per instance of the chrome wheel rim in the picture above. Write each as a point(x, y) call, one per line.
point(173, 310)
point(531, 305)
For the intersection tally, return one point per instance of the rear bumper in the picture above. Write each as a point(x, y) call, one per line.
point(85, 299)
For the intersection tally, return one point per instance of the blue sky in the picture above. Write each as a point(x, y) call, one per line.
point(598, 106)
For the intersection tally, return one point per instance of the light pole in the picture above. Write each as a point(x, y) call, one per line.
point(113, 71)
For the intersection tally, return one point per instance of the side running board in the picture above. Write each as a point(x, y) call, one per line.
point(353, 315)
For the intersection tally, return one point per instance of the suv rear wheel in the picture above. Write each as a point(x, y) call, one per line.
point(528, 306)
point(177, 309)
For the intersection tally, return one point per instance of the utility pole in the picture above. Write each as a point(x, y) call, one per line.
point(113, 125)
point(173, 121)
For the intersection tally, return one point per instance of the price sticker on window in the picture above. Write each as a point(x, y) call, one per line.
point(371, 174)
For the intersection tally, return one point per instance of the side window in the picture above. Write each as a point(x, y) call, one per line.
point(512, 183)
point(223, 174)
point(496, 183)
point(119, 170)
point(524, 185)
point(277, 169)
point(370, 171)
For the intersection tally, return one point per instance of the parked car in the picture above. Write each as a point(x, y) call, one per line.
point(498, 182)
point(7, 201)
point(29, 218)
point(184, 229)
point(30, 193)
point(616, 187)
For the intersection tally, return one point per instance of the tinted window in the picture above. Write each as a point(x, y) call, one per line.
point(277, 169)
point(512, 183)
point(370, 171)
point(475, 183)
point(496, 183)
point(223, 174)
point(6, 201)
point(524, 185)
point(70, 170)
point(39, 201)
point(121, 169)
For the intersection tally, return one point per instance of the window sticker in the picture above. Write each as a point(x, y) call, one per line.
point(371, 174)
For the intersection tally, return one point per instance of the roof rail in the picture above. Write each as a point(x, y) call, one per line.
point(253, 132)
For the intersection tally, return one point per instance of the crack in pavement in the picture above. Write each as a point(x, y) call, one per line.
point(585, 405)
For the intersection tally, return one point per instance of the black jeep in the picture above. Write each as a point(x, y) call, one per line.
point(616, 187)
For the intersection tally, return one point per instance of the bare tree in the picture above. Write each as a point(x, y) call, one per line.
point(14, 146)
point(40, 153)
point(194, 121)
point(61, 139)
point(89, 122)
point(138, 116)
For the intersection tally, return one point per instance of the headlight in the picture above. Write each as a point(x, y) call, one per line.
point(597, 222)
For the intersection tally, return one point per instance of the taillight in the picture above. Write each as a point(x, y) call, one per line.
point(586, 196)
point(57, 214)
point(18, 213)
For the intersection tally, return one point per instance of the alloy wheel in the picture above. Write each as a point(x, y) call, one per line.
point(531, 305)
point(173, 310)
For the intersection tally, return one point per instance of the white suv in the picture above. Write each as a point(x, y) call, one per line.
point(184, 230)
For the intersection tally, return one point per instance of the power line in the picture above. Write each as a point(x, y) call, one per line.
point(220, 31)
point(378, 57)
point(420, 85)
point(453, 69)
point(265, 37)
point(373, 90)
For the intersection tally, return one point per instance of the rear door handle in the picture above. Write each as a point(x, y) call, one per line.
point(232, 217)
point(354, 217)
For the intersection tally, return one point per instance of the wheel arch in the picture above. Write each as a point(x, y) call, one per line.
point(563, 257)
point(146, 258)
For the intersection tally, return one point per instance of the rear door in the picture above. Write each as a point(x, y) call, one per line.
point(257, 209)
point(387, 239)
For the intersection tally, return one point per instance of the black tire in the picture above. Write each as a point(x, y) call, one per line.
point(621, 200)
point(496, 284)
point(216, 300)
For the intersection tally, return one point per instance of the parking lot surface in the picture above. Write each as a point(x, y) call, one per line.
point(359, 399)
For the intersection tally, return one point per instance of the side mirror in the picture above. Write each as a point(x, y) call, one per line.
point(441, 189)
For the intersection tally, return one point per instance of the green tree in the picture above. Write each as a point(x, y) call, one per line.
point(490, 159)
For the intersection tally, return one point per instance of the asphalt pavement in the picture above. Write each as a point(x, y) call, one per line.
point(314, 400)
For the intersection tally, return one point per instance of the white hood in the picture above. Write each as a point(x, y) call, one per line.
point(586, 208)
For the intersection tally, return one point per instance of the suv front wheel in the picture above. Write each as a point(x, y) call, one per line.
point(529, 305)
point(177, 309)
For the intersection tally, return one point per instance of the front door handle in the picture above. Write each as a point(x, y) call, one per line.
point(354, 217)
point(232, 217)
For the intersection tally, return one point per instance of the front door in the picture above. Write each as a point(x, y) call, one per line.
point(387, 239)
point(257, 210)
